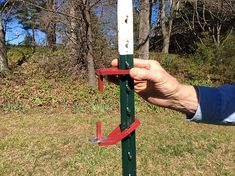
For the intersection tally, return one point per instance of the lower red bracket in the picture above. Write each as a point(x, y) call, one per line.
point(115, 136)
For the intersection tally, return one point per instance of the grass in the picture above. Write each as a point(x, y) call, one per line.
point(47, 116)
point(51, 142)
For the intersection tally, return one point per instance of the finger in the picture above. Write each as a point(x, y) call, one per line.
point(141, 74)
point(140, 86)
point(138, 82)
point(114, 63)
point(140, 63)
point(137, 63)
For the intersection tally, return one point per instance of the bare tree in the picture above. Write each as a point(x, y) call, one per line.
point(144, 28)
point(85, 8)
point(73, 24)
point(220, 12)
point(78, 28)
point(3, 49)
point(74, 33)
point(51, 25)
point(79, 21)
point(211, 17)
point(167, 21)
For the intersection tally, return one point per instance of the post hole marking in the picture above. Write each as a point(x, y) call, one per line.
point(126, 20)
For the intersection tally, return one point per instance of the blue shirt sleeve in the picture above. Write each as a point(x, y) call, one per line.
point(216, 105)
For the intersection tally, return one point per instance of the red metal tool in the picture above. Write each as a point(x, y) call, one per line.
point(99, 138)
point(116, 135)
point(101, 72)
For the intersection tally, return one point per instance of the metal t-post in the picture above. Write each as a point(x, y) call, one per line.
point(125, 47)
point(127, 118)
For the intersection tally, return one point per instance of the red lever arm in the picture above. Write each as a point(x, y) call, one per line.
point(117, 135)
point(101, 72)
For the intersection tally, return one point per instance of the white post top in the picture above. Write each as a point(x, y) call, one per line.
point(125, 27)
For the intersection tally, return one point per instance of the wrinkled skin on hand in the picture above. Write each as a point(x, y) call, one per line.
point(154, 84)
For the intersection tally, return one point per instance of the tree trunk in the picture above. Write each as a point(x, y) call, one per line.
point(218, 31)
point(3, 50)
point(89, 48)
point(91, 70)
point(72, 44)
point(166, 24)
point(73, 27)
point(33, 39)
point(144, 29)
point(51, 37)
point(90, 59)
point(51, 30)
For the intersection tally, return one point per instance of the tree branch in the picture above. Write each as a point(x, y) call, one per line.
point(49, 10)
point(4, 6)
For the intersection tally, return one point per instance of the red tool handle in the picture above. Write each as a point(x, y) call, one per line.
point(101, 72)
point(117, 135)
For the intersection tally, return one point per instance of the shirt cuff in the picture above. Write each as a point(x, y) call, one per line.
point(215, 106)
point(197, 116)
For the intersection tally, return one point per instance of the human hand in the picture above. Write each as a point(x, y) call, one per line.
point(154, 84)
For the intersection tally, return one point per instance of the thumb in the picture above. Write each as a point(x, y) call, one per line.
point(143, 74)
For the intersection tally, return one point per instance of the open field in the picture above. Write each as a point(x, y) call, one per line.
point(51, 142)
point(47, 116)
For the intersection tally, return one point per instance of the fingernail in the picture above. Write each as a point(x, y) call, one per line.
point(113, 63)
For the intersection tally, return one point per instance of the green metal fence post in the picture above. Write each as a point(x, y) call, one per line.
point(127, 117)
point(126, 49)
point(126, 130)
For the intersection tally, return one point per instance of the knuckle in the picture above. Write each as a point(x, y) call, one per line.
point(154, 62)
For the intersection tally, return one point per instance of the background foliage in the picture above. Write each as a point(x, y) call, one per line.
point(48, 108)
